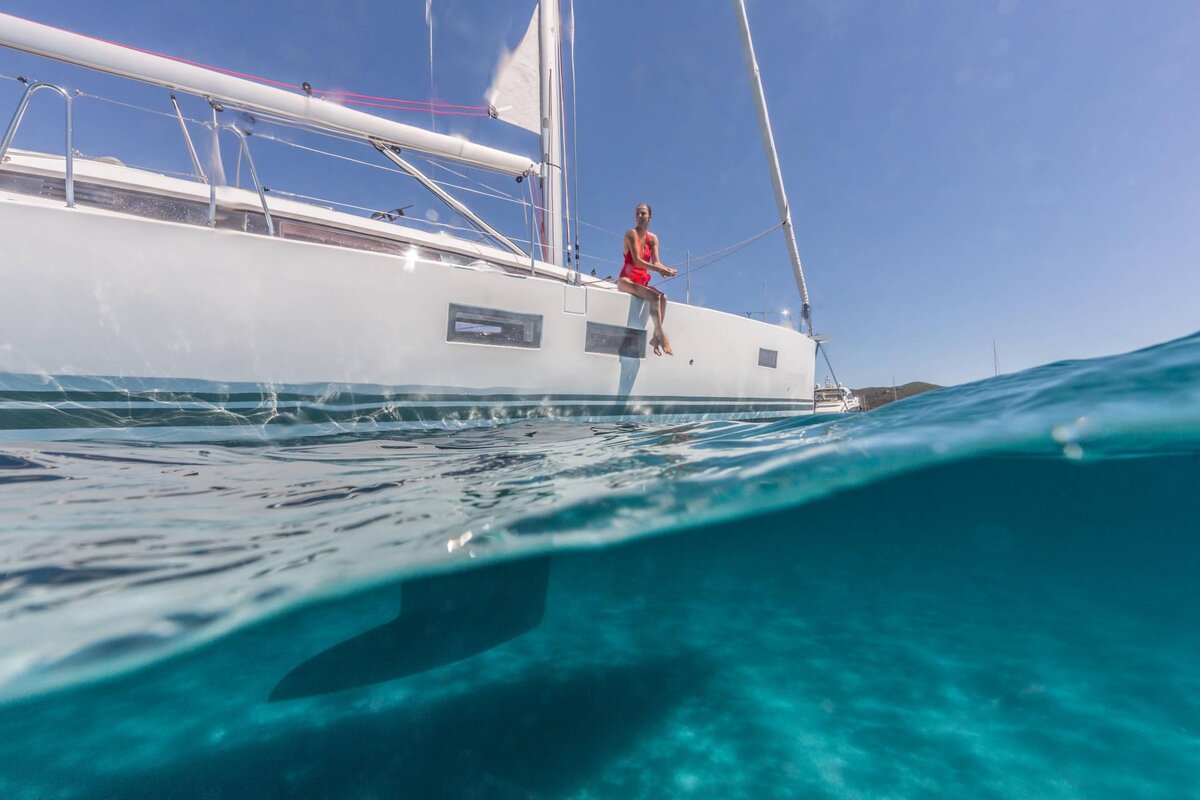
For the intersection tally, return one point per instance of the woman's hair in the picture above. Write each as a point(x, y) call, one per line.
point(648, 208)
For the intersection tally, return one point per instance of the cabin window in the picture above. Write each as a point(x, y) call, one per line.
point(615, 340)
point(493, 326)
point(768, 358)
point(322, 234)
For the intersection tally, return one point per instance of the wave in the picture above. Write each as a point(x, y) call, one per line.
point(133, 552)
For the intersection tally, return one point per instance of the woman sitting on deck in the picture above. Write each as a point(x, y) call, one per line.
point(641, 256)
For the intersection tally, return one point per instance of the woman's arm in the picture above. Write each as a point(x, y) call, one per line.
point(658, 265)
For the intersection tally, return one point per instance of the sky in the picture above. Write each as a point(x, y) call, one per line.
point(960, 173)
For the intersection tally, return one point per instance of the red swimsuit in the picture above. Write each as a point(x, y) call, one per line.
point(637, 274)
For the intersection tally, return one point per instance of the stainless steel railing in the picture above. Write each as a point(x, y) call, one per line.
point(30, 90)
point(68, 97)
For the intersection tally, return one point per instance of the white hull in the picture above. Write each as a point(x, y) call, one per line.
point(830, 399)
point(835, 408)
point(124, 308)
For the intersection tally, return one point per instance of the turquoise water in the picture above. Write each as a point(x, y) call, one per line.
point(985, 591)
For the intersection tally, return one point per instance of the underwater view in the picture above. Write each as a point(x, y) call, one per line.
point(984, 591)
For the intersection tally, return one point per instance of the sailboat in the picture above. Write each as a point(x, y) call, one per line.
point(134, 299)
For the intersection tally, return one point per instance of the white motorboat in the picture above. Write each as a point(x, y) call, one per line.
point(833, 398)
point(133, 298)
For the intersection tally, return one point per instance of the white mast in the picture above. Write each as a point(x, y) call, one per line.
point(84, 51)
point(551, 128)
point(764, 124)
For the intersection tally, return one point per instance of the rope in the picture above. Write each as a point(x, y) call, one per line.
point(540, 212)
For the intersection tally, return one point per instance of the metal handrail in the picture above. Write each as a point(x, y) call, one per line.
point(30, 89)
point(187, 138)
point(262, 193)
point(36, 86)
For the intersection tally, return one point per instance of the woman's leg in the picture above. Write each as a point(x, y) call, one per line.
point(657, 302)
point(663, 342)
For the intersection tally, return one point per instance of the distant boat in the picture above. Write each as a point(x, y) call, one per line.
point(833, 398)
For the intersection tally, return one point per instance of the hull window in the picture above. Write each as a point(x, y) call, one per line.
point(493, 326)
point(615, 340)
point(768, 358)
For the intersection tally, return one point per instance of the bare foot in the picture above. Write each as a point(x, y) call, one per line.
point(665, 345)
point(656, 343)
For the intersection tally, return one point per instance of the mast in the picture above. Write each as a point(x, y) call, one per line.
point(764, 124)
point(84, 51)
point(551, 128)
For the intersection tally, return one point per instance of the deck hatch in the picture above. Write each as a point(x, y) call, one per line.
point(615, 340)
point(493, 326)
point(768, 358)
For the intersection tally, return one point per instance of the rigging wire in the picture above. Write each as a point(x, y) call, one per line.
point(492, 191)
point(156, 112)
point(824, 352)
point(723, 253)
point(610, 232)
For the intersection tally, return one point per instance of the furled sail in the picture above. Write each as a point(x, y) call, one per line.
point(73, 48)
point(515, 93)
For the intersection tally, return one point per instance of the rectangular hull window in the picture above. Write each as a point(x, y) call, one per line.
point(768, 358)
point(495, 327)
point(615, 340)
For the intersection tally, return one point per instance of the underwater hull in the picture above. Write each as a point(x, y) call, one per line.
point(127, 317)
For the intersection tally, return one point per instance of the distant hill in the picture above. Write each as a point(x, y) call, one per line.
point(876, 396)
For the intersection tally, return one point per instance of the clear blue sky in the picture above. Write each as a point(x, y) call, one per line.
point(1027, 172)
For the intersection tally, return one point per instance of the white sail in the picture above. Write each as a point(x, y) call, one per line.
point(515, 96)
point(73, 48)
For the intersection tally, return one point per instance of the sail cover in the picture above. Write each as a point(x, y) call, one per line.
point(515, 93)
point(43, 40)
